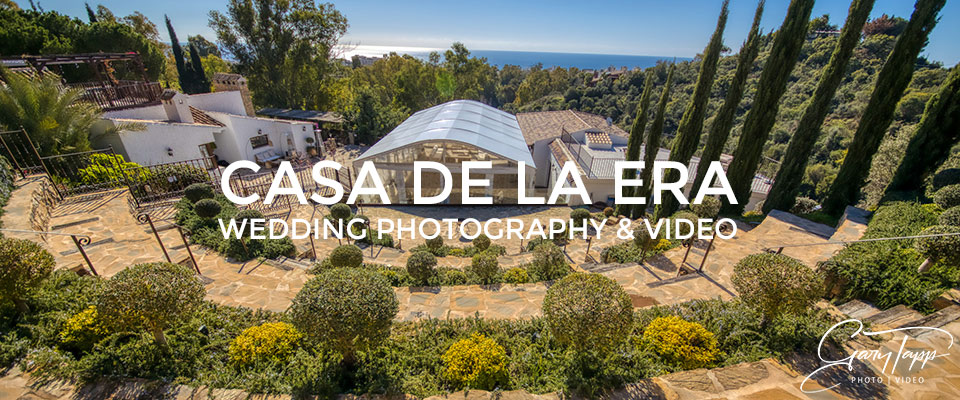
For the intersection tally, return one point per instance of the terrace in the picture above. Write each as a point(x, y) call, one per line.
point(105, 89)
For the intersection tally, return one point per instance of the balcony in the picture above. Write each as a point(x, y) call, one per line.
point(122, 95)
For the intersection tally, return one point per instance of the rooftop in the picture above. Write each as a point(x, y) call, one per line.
point(537, 126)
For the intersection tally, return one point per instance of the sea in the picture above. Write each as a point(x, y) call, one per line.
point(528, 59)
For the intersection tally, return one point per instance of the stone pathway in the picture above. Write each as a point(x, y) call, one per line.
point(118, 241)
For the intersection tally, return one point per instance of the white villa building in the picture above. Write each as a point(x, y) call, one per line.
point(189, 127)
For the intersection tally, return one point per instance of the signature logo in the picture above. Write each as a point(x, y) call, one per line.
point(890, 359)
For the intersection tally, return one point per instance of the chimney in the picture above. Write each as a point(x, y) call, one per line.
point(224, 82)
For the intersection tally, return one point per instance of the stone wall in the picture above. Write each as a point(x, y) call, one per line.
point(43, 201)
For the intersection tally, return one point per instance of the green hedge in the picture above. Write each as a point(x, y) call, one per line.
point(885, 272)
point(207, 232)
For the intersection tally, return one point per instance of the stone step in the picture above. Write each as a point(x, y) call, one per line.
point(895, 316)
point(74, 223)
point(858, 310)
point(937, 319)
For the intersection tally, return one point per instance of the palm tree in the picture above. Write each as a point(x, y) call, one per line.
point(54, 116)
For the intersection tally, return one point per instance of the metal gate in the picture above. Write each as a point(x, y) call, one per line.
point(17, 146)
point(159, 184)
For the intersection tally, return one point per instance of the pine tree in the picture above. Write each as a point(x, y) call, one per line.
point(92, 16)
point(200, 81)
point(635, 142)
point(787, 43)
point(787, 183)
point(723, 121)
point(691, 124)
point(891, 83)
point(182, 72)
point(937, 133)
point(652, 145)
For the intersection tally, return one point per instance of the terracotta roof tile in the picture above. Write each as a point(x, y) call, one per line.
point(541, 125)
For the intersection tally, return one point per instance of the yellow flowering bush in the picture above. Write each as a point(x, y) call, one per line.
point(686, 344)
point(83, 330)
point(273, 341)
point(662, 245)
point(477, 362)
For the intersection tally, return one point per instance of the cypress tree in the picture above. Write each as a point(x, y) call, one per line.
point(636, 137)
point(787, 183)
point(787, 43)
point(723, 121)
point(200, 81)
point(653, 145)
point(891, 83)
point(937, 133)
point(92, 16)
point(691, 125)
point(182, 73)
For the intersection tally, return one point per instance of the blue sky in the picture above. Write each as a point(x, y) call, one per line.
point(663, 28)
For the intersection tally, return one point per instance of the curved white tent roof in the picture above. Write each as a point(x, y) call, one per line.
point(464, 121)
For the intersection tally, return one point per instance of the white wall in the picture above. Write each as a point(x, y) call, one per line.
point(149, 147)
point(234, 142)
point(541, 157)
point(224, 102)
point(155, 113)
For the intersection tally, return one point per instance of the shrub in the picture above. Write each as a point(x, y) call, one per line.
point(340, 212)
point(708, 208)
point(422, 265)
point(687, 215)
point(247, 215)
point(476, 363)
point(435, 243)
point(23, 267)
point(549, 262)
point(940, 248)
point(516, 276)
point(950, 217)
point(346, 256)
point(948, 196)
point(109, 168)
point(83, 330)
point(580, 216)
point(348, 309)
point(804, 205)
point(198, 191)
point(608, 212)
point(485, 267)
point(155, 296)
point(269, 342)
point(588, 311)
point(481, 242)
point(207, 208)
point(453, 277)
point(687, 345)
point(776, 284)
point(947, 177)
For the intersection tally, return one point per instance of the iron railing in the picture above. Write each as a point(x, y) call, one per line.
point(122, 95)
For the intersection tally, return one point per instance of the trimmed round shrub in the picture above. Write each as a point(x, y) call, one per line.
point(642, 238)
point(422, 265)
point(23, 267)
point(580, 216)
point(154, 296)
point(198, 191)
point(588, 311)
point(516, 276)
point(247, 215)
point(708, 208)
point(477, 363)
point(453, 277)
point(346, 256)
point(947, 177)
point(948, 196)
point(485, 267)
point(608, 212)
point(481, 242)
point(950, 217)
point(687, 215)
point(270, 342)
point(687, 345)
point(207, 208)
point(803, 205)
point(549, 262)
point(348, 309)
point(434, 243)
point(776, 284)
point(340, 212)
point(940, 248)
